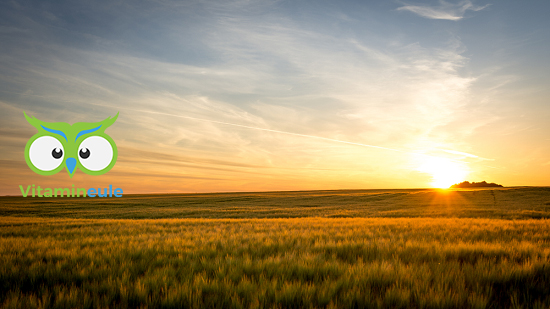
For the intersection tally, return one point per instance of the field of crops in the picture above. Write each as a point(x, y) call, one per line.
point(326, 249)
point(505, 203)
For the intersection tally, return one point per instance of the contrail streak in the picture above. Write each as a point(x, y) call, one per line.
point(326, 138)
point(290, 133)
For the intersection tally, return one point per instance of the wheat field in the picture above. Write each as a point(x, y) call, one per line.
point(324, 249)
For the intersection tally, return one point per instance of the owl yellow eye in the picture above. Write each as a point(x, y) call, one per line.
point(95, 153)
point(46, 153)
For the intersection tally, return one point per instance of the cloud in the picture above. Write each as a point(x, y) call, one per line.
point(446, 11)
point(268, 83)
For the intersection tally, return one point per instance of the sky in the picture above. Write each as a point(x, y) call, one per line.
point(238, 95)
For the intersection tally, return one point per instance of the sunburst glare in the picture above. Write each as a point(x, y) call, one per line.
point(444, 172)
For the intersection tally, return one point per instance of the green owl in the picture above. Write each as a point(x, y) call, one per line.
point(59, 145)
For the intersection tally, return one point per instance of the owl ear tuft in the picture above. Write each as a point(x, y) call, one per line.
point(33, 121)
point(109, 121)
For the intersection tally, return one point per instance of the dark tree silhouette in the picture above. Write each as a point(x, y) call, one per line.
point(483, 184)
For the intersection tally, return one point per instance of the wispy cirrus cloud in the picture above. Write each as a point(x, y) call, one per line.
point(445, 10)
point(261, 95)
point(283, 100)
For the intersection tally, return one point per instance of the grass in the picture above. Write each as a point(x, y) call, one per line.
point(295, 250)
point(502, 203)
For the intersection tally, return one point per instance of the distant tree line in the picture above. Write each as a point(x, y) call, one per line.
point(467, 184)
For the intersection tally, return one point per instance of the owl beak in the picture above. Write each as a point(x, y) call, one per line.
point(71, 164)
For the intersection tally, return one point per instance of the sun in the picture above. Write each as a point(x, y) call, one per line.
point(444, 172)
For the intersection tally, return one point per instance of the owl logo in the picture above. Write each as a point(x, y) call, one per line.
point(59, 145)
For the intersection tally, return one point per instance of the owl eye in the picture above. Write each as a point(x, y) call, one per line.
point(95, 153)
point(57, 153)
point(46, 153)
point(84, 153)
